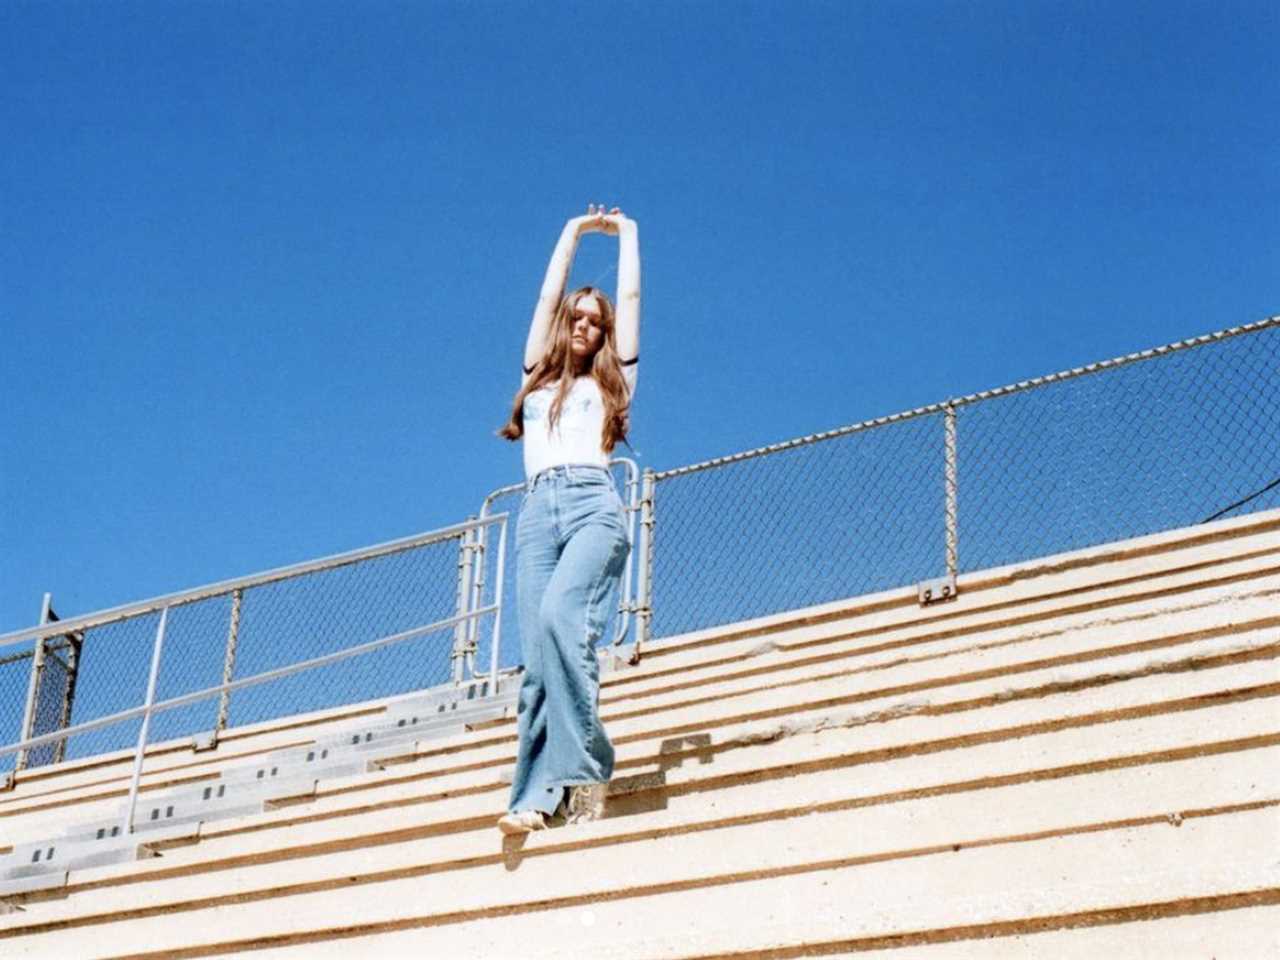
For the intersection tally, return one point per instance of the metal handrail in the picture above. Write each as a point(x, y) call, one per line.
point(151, 707)
point(155, 604)
point(196, 696)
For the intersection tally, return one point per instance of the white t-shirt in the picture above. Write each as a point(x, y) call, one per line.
point(576, 438)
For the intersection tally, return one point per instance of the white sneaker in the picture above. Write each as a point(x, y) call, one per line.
point(586, 802)
point(523, 822)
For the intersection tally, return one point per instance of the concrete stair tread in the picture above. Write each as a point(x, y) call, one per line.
point(940, 774)
point(1213, 855)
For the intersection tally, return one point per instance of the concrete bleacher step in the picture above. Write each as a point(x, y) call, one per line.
point(1185, 930)
point(744, 873)
point(882, 675)
point(1221, 765)
point(1057, 596)
point(1252, 932)
point(1115, 569)
point(1143, 685)
point(1233, 610)
point(930, 632)
point(1129, 692)
point(237, 791)
point(624, 762)
point(779, 904)
point(1221, 723)
point(890, 642)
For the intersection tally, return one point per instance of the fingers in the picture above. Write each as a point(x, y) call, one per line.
point(601, 220)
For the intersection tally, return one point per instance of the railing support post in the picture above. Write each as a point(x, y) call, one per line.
point(229, 663)
point(463, 643)
point(127, 826)
point(496, 642)
point(33, 685)
point(952, 490)
point(644, 586)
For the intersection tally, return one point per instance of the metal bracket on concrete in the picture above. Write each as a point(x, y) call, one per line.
point(617, 657)
point(936, 591)
point(203, 742)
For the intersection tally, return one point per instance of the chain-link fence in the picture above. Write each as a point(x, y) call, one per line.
point(225, 632)
point(1166, 441)
point(15, 676)
point(1152, 441)
point(54, 693)
point(849, 514)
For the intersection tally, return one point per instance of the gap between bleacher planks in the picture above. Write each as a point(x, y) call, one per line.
point(1156, 739)
point(930, 886)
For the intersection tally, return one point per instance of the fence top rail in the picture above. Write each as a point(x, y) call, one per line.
point(139, 607)
point(1020, 386)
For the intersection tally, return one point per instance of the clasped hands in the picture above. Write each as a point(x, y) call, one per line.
point(597, 221)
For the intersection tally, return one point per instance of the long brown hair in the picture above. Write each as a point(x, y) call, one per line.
point(558, 364)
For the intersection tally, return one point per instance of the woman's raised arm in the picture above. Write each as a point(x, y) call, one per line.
point(552, 290)
point(627, 298)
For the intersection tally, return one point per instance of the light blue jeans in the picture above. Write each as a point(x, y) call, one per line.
point(571, 550)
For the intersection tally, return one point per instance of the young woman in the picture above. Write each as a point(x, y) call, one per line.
point(571, 539)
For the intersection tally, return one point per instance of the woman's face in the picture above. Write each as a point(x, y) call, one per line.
point(586, 334)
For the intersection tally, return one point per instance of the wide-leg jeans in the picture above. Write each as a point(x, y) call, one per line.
point(571, 550)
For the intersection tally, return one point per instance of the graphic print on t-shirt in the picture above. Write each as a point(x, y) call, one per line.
point(537, 405)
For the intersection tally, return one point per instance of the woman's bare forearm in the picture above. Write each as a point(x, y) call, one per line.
point(628, 294)
point(552, 291)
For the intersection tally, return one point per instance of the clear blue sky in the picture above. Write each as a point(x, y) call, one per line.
point(266, 268)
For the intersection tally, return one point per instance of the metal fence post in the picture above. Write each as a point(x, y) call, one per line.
point(644, 586)
point(497, 614)
point(952, 490)
point(463, 644)
point(229, 664)
point(74, 642)
point(127, 826)
point(33, 685)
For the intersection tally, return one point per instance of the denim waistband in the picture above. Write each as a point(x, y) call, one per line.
point(569, 472)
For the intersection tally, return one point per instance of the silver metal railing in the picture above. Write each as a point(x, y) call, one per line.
point(370, 603)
